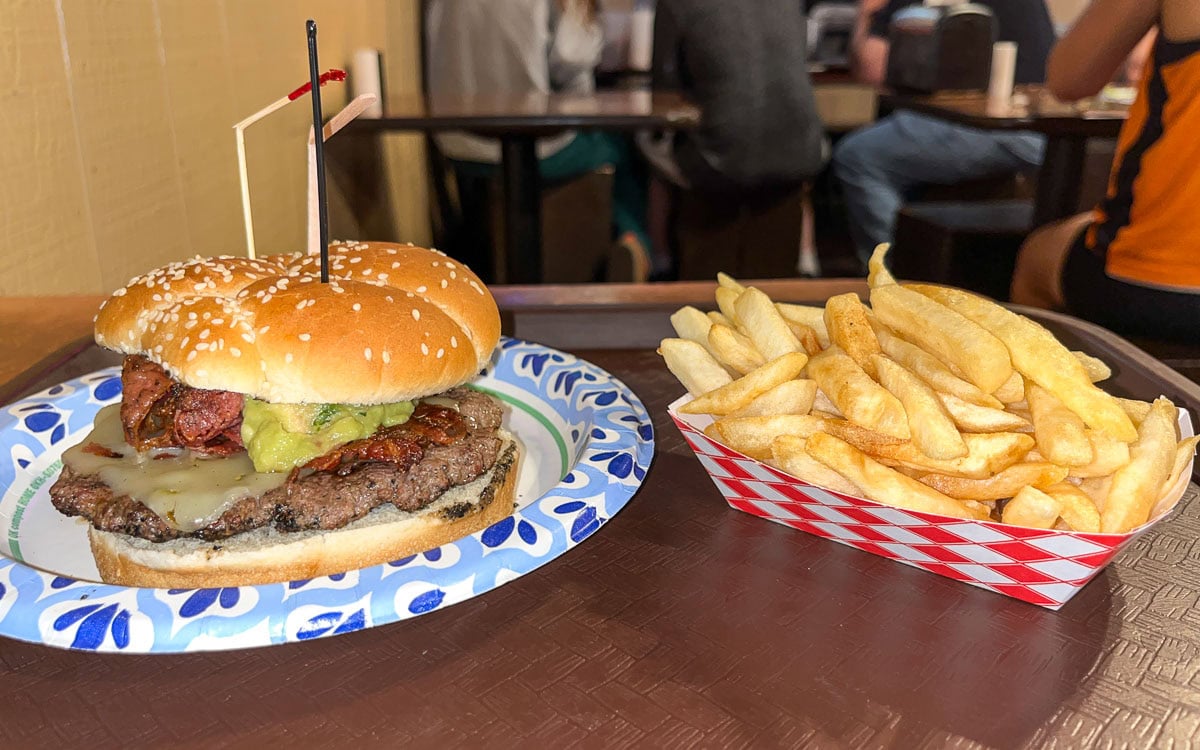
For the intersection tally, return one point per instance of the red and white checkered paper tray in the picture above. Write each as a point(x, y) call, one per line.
point(1042, 566)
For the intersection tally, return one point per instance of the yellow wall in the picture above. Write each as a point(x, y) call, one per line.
point(118, 150)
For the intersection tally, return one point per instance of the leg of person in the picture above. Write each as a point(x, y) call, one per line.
point(1037, 278)
point(590, 150)
point(880, 164)
point(1129, 309)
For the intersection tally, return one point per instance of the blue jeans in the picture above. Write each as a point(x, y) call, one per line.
point(880, 165)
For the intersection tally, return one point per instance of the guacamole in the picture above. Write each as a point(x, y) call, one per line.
point(280, 436)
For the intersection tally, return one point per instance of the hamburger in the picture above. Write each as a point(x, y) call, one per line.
point(273, 427)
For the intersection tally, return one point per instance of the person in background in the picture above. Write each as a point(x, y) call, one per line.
point(881, 165)
point(537, 47)
point(744, 65)
point(1132, 264)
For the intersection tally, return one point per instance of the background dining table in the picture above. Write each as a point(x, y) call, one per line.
point(518, 120)
point(680, 623)
point(1066, 125)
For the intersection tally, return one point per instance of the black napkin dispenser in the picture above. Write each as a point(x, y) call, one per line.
point(937, 48)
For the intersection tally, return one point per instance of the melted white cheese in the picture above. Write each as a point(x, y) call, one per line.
point(186, 489)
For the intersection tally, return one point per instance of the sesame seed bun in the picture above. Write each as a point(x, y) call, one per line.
point(394, 323)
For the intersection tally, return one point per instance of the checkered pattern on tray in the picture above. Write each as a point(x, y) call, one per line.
point(1044, 567)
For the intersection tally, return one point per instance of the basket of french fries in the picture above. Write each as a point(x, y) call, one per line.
point(933, 427)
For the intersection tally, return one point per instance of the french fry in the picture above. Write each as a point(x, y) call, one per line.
point(846, 321)
point(813, 317)
point(1097, 488)
point(877, 272)
point(689, 323)
point(881, 484)
point(867, 440)
point(1060, 433)
point(693, 366)
point(856, 395)
point(1108, 455)
point(733, 349)
point(945, 333)
point(737, 394)
point(1137, 410)
point(789, 397)
point(1079, 511)
point(933, 431)
point(1095, 367)
point(789, 453)
point(806, 336)
point(757, 318)
point(1183, 458)
point(726, 298)
point(719, 319)
point(823, 404)
point(1041, 358)
point(930, 369)
point(754, 435)
point(987, 454)
point(1013, 389)
point(1136, 485)
point(729, 282)
point(974, 418)
point(1002, 484)
point(1033, 508)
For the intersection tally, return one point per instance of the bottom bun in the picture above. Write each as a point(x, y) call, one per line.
point(266, 555)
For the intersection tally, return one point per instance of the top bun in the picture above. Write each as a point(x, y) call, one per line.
point(394, 323)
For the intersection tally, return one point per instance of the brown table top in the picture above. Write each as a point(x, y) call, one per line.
point(1035, 110)
point(535, 114)
point(680, 623)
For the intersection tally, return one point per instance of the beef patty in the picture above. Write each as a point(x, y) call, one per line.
point(409, 466)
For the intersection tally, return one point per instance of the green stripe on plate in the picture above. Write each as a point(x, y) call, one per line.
point(14, 544)
point(533, 412)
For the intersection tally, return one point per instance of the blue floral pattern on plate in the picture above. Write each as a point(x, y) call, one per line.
point(600, 428)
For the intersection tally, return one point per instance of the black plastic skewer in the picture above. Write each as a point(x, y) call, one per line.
point(319, 142)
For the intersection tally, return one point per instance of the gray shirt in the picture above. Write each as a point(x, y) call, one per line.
point(489, 47)
point(744, 64)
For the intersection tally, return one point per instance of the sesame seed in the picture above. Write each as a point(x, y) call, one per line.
point(235, 351)
point(288, 358)
point(367, 353)
point(424, 348)
point(453, 342)
point(191, 355)
point(445, 283)
point(204, 334)
point(387, 357)
point(416, 314)
point(305, 336)
point(422, 289)
point(356, 307)
point(264, 329)
point(441, 353)
point(453, 275)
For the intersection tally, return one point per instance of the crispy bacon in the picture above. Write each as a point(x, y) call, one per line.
point(403, 444)
point(158, 412)
point(99, 450)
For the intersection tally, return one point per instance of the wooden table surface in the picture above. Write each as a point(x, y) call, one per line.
point(534, 113)
point(1033, 109)
point(681, 623)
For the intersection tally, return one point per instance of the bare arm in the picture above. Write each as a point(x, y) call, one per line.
point(868, 54)
point(1086, 58)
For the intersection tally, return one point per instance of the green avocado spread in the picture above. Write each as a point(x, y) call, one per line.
point(280, 436)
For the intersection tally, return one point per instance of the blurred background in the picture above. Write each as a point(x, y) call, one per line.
point(119, 148)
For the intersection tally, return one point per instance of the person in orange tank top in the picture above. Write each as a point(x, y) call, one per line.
point(1133, 263)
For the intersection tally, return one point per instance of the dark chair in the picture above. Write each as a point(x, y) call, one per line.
point(970, 245)
point(751, 235)
point(576, 230)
